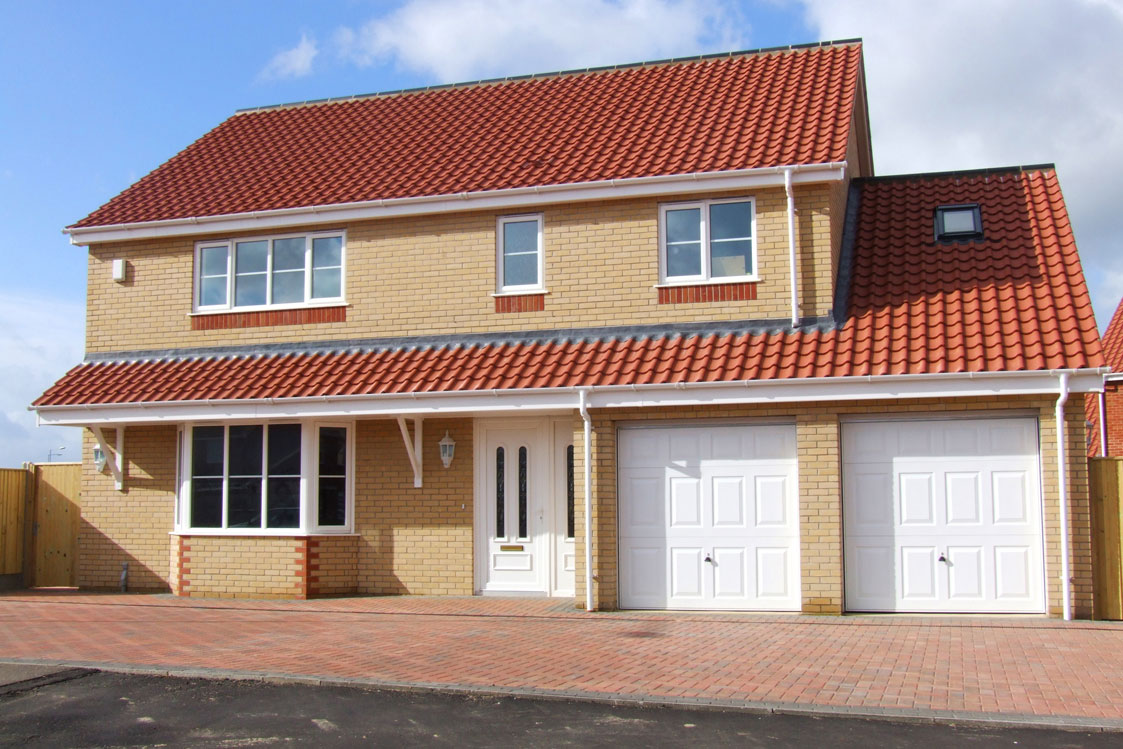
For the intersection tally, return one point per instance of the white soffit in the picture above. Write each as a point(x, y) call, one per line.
point(564, 400)
point(518, 197)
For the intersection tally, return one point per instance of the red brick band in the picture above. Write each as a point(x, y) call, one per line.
point(261, 319)
point(718, 292)
point(521, 303)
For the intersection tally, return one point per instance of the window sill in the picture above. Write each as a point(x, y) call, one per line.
point(239, 533)
point(528, 292)
point(267, 308)
point(707, 282)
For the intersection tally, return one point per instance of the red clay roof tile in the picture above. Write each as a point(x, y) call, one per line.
point(758, 109)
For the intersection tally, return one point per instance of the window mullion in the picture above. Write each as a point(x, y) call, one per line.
point(225, 477)
point(704, 214)
point(307, 269)
point(264, 476)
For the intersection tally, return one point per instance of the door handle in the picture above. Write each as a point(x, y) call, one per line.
point(707, 559)
point(942, 558)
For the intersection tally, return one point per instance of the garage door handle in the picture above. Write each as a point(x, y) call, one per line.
point(707, 559)
point(943, 558)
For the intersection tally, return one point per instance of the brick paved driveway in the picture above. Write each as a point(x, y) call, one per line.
point(1023, 666)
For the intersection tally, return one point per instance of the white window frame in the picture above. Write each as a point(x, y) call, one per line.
point(231, 243)
point(705, 277)
point(501, 286)
point(309, 481)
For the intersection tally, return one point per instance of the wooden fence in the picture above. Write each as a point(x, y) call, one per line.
point(39, 517)
point(1106, 476)
point(13, 498)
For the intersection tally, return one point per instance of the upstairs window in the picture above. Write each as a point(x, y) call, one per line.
point(519, 261)
point(955, 223)
point(708, 240)
point(265, 272)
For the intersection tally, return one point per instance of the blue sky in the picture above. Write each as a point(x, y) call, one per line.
point(95, 95)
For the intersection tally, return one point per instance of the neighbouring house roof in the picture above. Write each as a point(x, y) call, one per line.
point(1113, 340)
point(711, 114)
point(907, 305)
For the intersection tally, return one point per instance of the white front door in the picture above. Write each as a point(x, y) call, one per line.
point(943, 516)
point(709, 518)
point(512, 528)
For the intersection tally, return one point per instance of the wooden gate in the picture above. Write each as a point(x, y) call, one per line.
point(1106, 476)
point(55, 529)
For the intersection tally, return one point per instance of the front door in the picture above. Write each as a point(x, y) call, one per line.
point(512, 527)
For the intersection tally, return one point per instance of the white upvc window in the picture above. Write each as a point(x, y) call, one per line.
point(256, 273)
point(708, 240)
point(519, 260)
point(276, 478)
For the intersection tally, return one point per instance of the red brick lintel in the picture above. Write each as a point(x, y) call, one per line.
point(263, 318)
point(709, 292)
point(520, 303)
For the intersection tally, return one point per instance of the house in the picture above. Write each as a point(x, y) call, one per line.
point(1106, 407)
point(649, 336)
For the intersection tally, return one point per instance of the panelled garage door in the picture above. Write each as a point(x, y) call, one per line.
point(943, 516)
point(709, 518)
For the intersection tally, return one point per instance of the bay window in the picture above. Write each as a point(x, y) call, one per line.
point(276, 478)
point(264, 272)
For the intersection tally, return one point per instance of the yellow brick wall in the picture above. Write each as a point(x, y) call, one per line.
point(435, 275)
point(130, 526)
point(414, 540)
point(333, 565)
point(818, 450)
point(243, 567)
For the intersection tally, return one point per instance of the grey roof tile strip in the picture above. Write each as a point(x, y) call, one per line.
point(562, 335)
point(841, 309)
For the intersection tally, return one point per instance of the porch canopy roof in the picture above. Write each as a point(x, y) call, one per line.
point(999, 315)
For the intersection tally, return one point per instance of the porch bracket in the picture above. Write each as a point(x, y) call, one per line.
point(115, 459)
point(413, 447)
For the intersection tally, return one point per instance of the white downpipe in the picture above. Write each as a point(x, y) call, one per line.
point(791, 246)
point(1062, 488)
point(582, 394)
point(1103, 424)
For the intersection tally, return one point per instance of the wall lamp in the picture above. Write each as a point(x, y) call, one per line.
point(448, 449)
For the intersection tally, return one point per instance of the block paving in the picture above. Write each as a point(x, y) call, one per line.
point(985, 667)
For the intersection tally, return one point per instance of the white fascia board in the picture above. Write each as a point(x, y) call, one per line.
point(564, 400)
point(513, 198)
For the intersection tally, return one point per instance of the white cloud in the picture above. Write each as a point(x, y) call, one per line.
point(972, 83)
point(40, 339)
point(455, 40)
point(291, 63)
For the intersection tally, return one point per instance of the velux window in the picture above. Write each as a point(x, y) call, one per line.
point(708, 240)
point(959, 222)
point(269, 271)
point(255, 478)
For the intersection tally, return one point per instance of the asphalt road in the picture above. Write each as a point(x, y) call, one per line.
point(106, 709)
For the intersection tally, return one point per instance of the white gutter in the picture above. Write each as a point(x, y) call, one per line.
point(582, 406)
point(560, 400)
point(465, 201)
point(791, 246)
point(1062, 489)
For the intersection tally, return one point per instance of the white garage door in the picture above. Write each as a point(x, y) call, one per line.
point(708, 518)
point(943, 516)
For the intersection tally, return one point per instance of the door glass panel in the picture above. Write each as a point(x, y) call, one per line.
point(522, 492)
point(569, 522)
point(500, 500)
